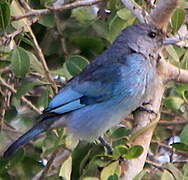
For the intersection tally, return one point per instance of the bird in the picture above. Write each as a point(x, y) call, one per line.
point(113, 85)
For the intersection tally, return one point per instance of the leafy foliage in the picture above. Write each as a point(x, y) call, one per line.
point(69, 40)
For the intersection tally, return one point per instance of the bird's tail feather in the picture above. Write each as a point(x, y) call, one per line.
point(30, 134)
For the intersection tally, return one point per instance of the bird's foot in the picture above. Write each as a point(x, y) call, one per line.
point(106, 145)
point(142, 108)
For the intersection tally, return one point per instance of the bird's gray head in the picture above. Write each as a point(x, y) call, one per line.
point(141, 38)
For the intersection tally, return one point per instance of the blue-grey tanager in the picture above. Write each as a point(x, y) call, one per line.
point(112, 86)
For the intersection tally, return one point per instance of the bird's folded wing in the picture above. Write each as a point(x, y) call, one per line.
point(84, 90)
point(97, 84)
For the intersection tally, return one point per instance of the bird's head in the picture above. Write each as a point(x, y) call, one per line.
point(142, 38)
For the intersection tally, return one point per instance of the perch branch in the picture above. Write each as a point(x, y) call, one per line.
point(56, 8)
point(142, 119)
point(172, 73)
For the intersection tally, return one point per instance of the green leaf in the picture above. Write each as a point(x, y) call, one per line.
point(11, 113)
point(25, 40)
point(119, 151)
point(66, 169)
point(133, 152)
point(177, 19)
point(50, 44)
point(35, 64)
point(75, 64)
point(26, 86)
point(16, 10)
point(180, 146)
point(84, 15)
point(85, 160)
point(120, 132)
point(115, 26)
point(4, 14)
point(122, 141)
point(125, 14)
point(173, 170)
point(181, 90)
point(101, 160)
point(101, 28)
point(47, 20)
point(111, 169)
point(3, 165)
point(91, 170)
point(173, 102)
point(78, 155)
point(15, 158)
point(88, 44)
point(185, 171)
point(166, 175)
point(90, 178)
point(140, 175)
point(184, 135)
point(173, 54)
point(94, 151)
point(184, 61)
point(43, 100)
point(20, 62)
point(113, 177)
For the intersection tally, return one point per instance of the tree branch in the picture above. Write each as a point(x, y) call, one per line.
point(142, 119)
point(172, 73)
point(25, 5)
point(135, 9)
point(56, 8)
point(162, 13)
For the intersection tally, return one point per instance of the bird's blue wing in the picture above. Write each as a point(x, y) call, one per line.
point(96, 84)
point(85, 89)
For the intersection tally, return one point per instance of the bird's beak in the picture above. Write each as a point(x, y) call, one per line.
point(168, 41)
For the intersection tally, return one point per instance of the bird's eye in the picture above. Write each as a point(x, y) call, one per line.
point(152, 34)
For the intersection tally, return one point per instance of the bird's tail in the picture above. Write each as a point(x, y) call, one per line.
point(42, 125)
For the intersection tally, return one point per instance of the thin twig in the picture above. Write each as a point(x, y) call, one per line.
point(25, 5)
point(61, 157)
point(47, 167)
point(43, 62)
point(27, 102)
point(56, 8)
point(181, 161)
point(3, 110)
point(155, 164)
point(169, 147)
point(173, 123)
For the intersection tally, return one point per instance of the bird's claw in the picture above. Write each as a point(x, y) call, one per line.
point(142, 108)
